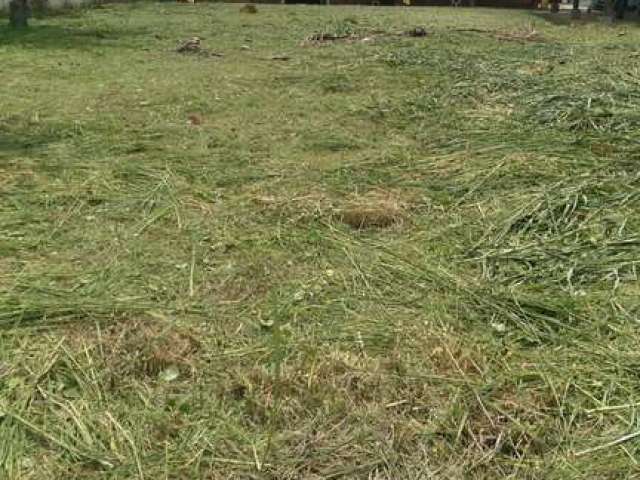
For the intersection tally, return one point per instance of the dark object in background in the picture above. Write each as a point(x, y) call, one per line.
point(249, 8)
point(417, 32)
point(19, 13)
point(616, 8)
point(282, 58)
point(619, 7)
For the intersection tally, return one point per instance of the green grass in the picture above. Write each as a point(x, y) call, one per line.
point(392, 258)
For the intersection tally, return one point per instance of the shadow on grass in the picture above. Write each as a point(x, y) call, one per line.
point(19, 137)
point(57, 37)
point(566, 18)
point(11, 144)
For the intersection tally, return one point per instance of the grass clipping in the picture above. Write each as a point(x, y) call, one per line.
point(376, 209)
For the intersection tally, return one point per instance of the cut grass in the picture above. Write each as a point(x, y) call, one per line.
point(393, 258)
point(376, 209)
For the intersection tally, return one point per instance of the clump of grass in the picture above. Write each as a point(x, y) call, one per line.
point(375, 209)
point(569, 234)
point(146, 348)
point(337, 83)
point(249, 8)
point(600, 113)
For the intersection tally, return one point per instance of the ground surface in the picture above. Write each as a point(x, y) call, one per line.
point(377, 257)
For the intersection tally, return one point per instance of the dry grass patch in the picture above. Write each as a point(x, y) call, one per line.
point(525, 34)
point(537, 68)
point(375, 209)
point(147, 348)
point(297, 206)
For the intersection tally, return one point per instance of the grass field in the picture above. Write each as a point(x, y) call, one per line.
point(380, 257)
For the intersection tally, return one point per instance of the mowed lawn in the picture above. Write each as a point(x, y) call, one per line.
point(376, 257)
